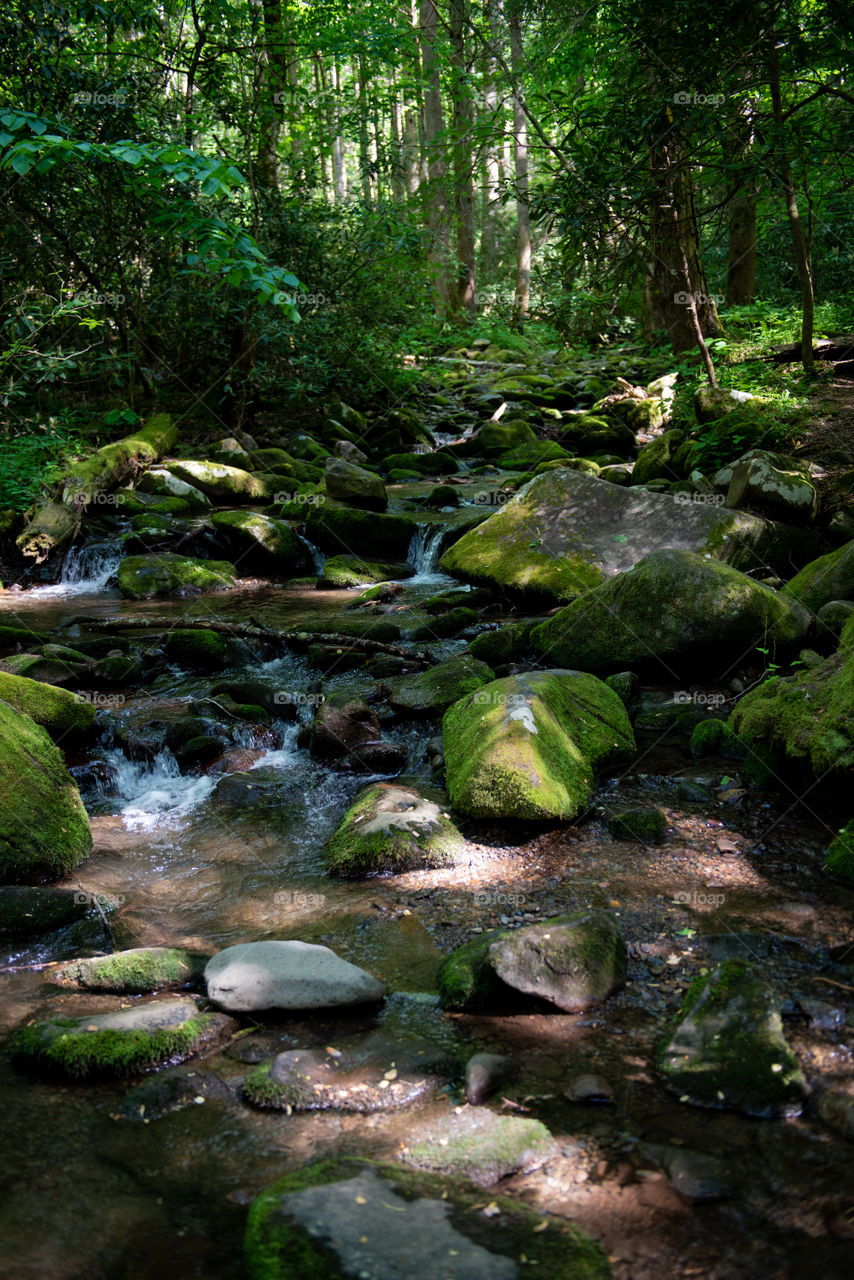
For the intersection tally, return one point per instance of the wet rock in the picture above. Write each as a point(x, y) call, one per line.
point(431, 691)
point(44, 829)
point(589, 1089)
point(835, 1106)
point(698, 1178)
point(348, 531)
point(624, 684)
point(391, 1223)
point(655, 460)
point(173, 1090)
point(502, 645)
point(377, 757)
point(556, 538)
point(340, 725)
point(352, 571)
point(485, 1072)
point(317, 1080)
point(498, 437)
point(528, 746)
point(676, 611)
point(158, 480)
point(779, 485)
point(198, 649)
point(145, 577)
point(63, 714)
point(728, 1049)
point(354, 485)
point(392, 828)
point(134, 972)
point(475, 1144)
point(645, 826)
point(220, 482)
point(349, 452)
point(27, 912)
point(255, 976)
point(259, 541)
point(116, 1044)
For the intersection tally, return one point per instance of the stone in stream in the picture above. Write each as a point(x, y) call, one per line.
point(174, 1089)
point(350, 452)
point(728, 1049)
point(674, 612)
point(159, 481)
point(502, 645)
point(807, 718)
point(474, 1143)
point(198, 648)
point(588, 1089)
point(134, 972)
point(431, 691)
point(324, 1080)
point(498, 437)
point(44, 829)
point(645, 826)
point(392, 828)
point(121, 1043)
point(145, 577)
point(698, 1178)
point(257, 540)
point(573, 962)
point(835, 1106)
point(254, 976)
point(340, 530)
point(347, 482)
point(565, 533)
point(529, 746)
point(222, 483)
point(352, 1217)
point(341, 724)
point(484, 1073)
point(352, 571)
point(63, 714)
point(27, 912)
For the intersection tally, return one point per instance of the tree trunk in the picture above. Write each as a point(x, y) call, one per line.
point(364, 145)
point(339, 170)
point(491, 176)
point(741, 207)
point(323, 118)
point(272, 93)
point(796, 227)
point(398, 162)
point(522, 295)
point(436, 195)
point(464, 296)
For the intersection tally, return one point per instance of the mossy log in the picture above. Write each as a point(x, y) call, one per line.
point(55, 523)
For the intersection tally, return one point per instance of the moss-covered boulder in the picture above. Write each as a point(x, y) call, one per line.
point(565, 533)
point(475, 1144)
point(711, 403)
point(133, 972)
point(446, 624)
point(591, 433)
point(839, 860)
point(807, 718)
point(342, 723)
point(111, 1045)
point(643, 826)
point(529, 746)
point(728, 1049)
point(392, 828)
point(197, 649)
point(369, 534)
point(431, 691)
point(358, 487)
point(672, 612)
point(655, 460)
point(498, 437)
point(257, 539)
point(220, 482)
point(353, 571)
point(502, 645)
point(162, 483)
point(343, 1218)
point(773, 483)
point(65, 715)
point(715, 738)
point(828, 578)
point(525, 457)
point(439, 463)
point(145, 577)
point(361, 1082)
point(44, 830)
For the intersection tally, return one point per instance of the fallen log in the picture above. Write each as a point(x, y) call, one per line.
point(56, 522)
point(253, 630)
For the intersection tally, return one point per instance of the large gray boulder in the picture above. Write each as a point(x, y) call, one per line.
point(254, 976)
point(345, 482)
point(776, 484)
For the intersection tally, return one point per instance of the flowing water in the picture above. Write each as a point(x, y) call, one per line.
point(96, 1189)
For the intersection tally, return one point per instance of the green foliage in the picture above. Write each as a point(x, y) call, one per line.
point(35, 458)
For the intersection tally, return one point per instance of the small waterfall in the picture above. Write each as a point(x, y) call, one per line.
point(86, 570)
point(154, 792)
point(424, 550)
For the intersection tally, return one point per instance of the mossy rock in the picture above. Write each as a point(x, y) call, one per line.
point(392, 828)
point(27, 912)
point(474, 1143)
point(647, 415)
point(591, 434)
point(259, 539)
point(112, 1045)
point(341, 1218)
point(444, 625)
point(673, 611)
point(63, 714)
point(444, 495)
point(526, 457)
point(403, 475)
point(119, 670)
point(220, 482)
point(431, 691)
point(715, 738)
point(499, 437)
point(346, 531)
point(145, 577)
point(643, 826)
point(352, 571)
point(656, 459)
point(438, 463)
point(34, 784)
point(467, 981)
point(197, 648)
point(11, 638)
point(828, 578)
point(144, 969)
point(469, 599)
point(529, 746)
point(501, 645)
point(354, 485)
point(163, 484)
point(839, 860)
point(728, 1050)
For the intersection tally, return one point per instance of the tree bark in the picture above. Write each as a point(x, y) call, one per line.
point(463, 296)
point(436, 194)
point(741, 206)
point(522, 294)
point(491, 168)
